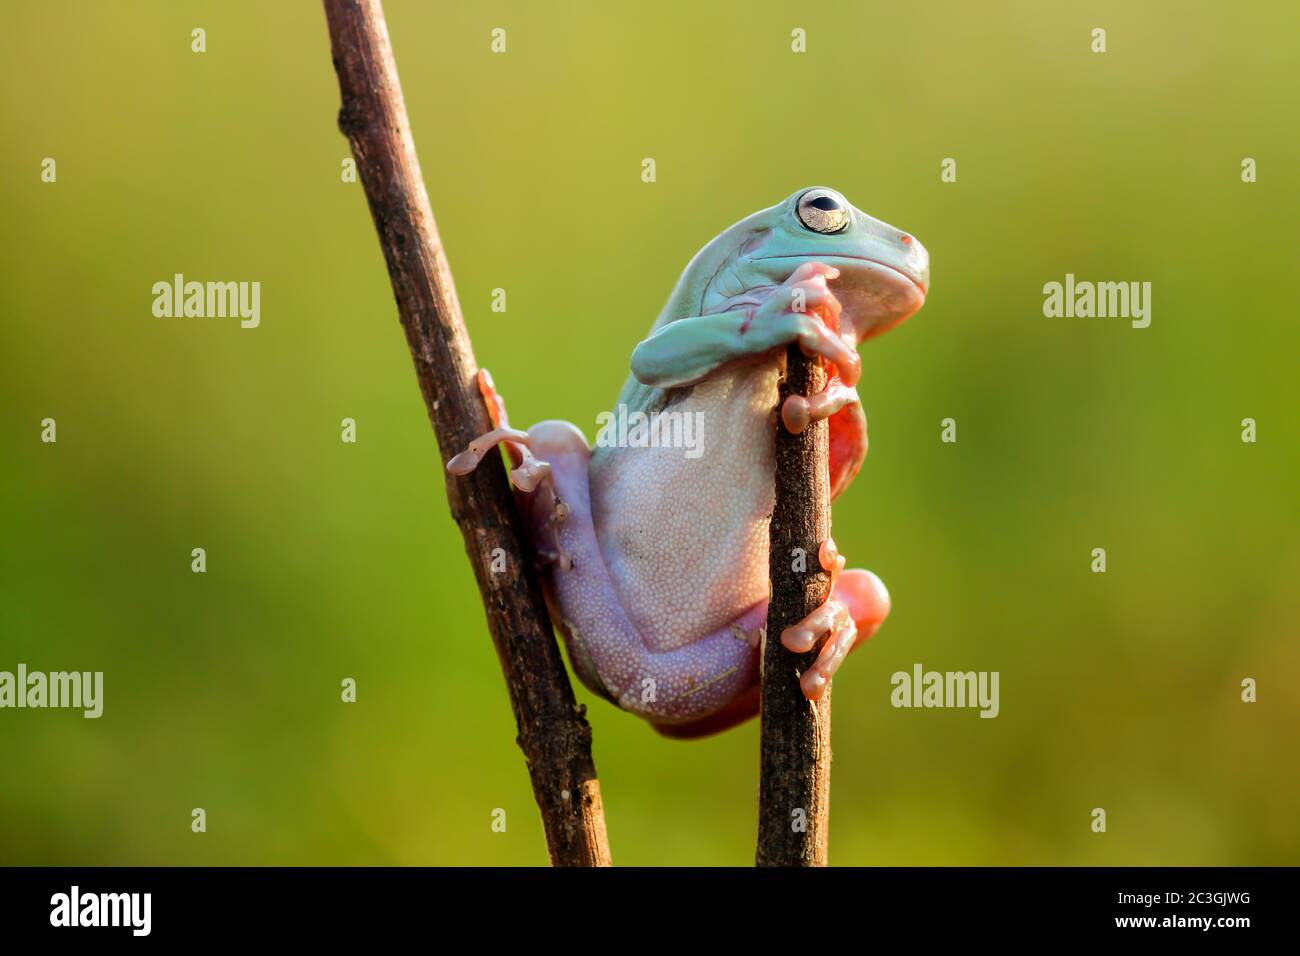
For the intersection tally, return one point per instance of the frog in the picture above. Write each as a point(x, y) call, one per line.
point(655, 556)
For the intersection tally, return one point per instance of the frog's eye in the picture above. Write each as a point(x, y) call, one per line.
point(823, 210)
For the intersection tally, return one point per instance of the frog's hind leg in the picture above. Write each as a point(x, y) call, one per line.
point(671, 687)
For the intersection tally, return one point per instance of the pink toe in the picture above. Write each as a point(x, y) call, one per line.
point(465, 462)
point(797, 639)
point(813, 683)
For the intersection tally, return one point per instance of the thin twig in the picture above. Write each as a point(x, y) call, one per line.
point(795, 763)
point(553, 731)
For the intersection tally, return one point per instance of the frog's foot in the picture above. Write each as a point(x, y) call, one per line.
point(804, 310)
point(857, 606)
point(527, 471)
point(543, 512)
point(530, 471)
point(799, 412)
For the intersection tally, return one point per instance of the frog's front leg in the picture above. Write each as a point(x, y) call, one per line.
point(857, 606)
point(687, 350)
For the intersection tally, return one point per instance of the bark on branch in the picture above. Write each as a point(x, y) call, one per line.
point(553, 731)
point(795, 763)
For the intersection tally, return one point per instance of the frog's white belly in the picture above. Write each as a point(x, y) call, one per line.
point(685, 539)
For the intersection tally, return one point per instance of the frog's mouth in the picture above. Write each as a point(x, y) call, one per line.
point(875, 295)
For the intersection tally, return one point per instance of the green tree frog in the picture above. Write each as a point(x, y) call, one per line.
point(655, 542)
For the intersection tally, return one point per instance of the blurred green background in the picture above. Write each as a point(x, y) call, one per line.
point(327, 560)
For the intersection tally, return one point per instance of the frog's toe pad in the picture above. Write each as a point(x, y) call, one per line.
point(799, 412)
point(531, 473)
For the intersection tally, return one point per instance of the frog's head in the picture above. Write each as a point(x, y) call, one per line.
point(884, 272)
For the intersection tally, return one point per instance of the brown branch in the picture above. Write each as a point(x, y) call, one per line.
point(553, 731)
point(795, 764)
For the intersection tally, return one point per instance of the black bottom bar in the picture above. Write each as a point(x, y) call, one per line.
point(589, 906)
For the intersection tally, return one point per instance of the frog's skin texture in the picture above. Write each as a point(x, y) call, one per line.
point(657, 563)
